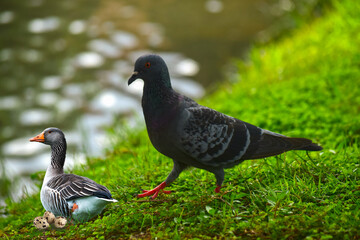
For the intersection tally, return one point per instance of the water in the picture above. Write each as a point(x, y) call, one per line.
point(66, 64)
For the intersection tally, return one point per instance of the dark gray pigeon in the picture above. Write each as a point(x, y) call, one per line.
point(194, 135)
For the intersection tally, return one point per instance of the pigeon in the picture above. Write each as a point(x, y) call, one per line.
point(193, 135)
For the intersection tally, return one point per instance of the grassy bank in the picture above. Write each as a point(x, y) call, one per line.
point(306, 85)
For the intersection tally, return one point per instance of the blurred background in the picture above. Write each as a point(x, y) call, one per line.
point(66, 64)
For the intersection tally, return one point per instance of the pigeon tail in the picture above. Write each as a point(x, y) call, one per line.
point(272, 144)
point(311, 147)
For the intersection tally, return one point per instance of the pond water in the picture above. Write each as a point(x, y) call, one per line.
point(66, 64)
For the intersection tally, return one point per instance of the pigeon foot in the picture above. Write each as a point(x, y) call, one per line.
point(154, 192)
point(217, 189)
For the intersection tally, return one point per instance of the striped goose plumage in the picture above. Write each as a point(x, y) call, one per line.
point(64, 194)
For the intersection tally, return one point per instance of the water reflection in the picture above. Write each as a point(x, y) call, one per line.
point(89, 60)
point(6, 17)
point(41, 25)
point(66, 64)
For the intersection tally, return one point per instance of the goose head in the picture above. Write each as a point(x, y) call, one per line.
point(49, 136)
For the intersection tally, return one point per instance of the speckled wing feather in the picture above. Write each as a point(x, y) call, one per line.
point(71, 186)
point(213, 138)
point(218, 140)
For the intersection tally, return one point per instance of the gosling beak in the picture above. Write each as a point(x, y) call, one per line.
point(133, 77)
point(38, 138)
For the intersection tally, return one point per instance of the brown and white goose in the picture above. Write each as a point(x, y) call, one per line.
point(64, 194)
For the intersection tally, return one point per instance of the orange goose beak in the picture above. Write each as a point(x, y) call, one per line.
point(38, 138)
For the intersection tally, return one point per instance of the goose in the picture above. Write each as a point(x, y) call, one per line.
point(68, 195)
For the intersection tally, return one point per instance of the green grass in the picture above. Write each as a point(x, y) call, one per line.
point(305, 85)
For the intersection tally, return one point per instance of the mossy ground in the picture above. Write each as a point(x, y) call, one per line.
point(305, 85)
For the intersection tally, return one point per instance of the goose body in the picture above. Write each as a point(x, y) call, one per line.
point(64, 194)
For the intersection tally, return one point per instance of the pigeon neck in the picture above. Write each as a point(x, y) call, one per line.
point(58, 153)
point(158, 92)
point(159, 105)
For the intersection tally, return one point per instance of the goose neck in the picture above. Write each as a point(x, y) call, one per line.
point(58, 154)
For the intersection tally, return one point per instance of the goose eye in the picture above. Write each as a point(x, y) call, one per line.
point(49, 131)
point(147, 64)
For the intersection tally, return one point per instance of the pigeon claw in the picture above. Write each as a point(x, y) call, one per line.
point(154, 192)
point(217, 189)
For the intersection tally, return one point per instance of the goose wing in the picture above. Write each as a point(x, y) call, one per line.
point(70, 186)
point(54, 202)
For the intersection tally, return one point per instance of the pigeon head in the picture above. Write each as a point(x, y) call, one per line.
point(49, 136)
point(151, 69)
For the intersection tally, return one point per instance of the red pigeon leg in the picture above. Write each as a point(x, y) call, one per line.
point(217, 189)
point(154, 192)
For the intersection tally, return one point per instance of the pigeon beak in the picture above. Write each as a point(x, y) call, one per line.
point(133, 77)
point(38, 138)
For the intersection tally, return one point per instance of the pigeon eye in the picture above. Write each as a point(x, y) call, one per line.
point(147, 64)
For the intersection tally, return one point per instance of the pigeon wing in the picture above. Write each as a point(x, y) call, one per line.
point(213, 138)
